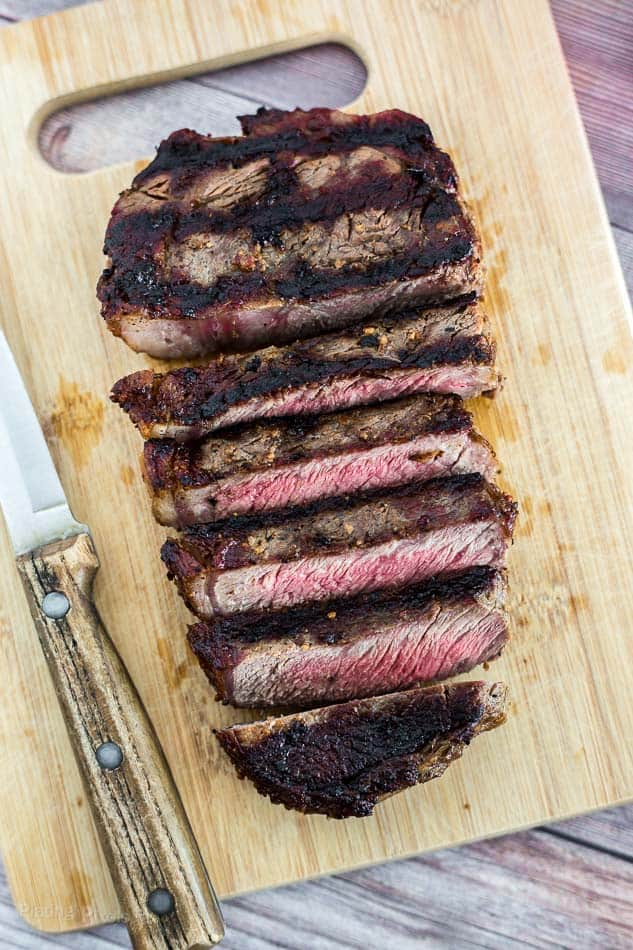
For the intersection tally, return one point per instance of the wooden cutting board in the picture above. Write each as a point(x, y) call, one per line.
point(489, 77)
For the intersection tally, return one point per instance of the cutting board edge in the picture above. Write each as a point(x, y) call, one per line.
point(341, 869)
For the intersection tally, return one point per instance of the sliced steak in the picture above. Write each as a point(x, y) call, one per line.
point(332, 548)
point(270, 465)
point(359, 646)
point(446, 350)
point(284, 233)
point(342, 760)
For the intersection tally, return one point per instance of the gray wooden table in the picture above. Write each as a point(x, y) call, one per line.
point(567, 885)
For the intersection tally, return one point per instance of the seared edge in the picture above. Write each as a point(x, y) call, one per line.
point(269, 465)
point(341, 760)
point(189, 401)
point(332, 525)
point(254, 446)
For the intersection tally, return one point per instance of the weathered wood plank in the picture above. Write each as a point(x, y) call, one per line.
point(527, 890)
point(597, 39)
point(130, 125)
point(611, 830)
point(14, 10)
point(327, 74)
point(624, 243)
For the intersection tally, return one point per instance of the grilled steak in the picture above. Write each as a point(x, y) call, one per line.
point(358, 646)
point(308, 222)
point(342, 760)
point(446, 350)
point(269, 465)
point(332, 548)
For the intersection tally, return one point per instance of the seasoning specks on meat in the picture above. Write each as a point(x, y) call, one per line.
point(444, 350)
point(271, 465)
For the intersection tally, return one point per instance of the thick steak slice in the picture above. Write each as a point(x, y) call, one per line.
point(284, 233)
point(269, 465)
point(342, 760)
point(330, 549)
point(446, 350)
point(359, 646)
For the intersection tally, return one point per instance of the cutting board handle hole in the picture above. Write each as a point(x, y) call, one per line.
point(90, 133)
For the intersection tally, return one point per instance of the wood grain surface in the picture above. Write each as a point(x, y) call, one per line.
point(145, 834)
point(575, 892)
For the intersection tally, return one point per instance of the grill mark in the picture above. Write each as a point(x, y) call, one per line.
point(169, 463)
point(245, 523)
point(139, 285)
point(213, 389)
point(292, 622)
point(282, 207)
point(189, 150)
point(470, 350)
point(487, 500)
point(265, 247)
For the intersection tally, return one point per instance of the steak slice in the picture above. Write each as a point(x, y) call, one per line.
point(446, 350)
point(328, 549)
point(342, 760)
point(358, 646)
point(307, 223)
point(270, 465)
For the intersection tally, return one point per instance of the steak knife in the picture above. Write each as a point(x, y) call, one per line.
point(159, 876)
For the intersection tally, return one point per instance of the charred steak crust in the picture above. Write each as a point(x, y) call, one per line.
point(189, 401)
point(305, 226)
point(242, 540)
point(358, 646)
point(249, 447)
point(218, 228)
point(342, 760)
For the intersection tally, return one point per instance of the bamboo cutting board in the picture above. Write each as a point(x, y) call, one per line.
point(489, 77)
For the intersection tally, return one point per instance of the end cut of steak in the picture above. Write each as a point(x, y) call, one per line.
point(358, 646)
point(308, 222)
point(342, 760)
point(270, 465)
point(332, 548)
point(446, 350)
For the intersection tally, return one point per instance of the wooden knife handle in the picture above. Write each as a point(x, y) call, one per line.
point(147, 839)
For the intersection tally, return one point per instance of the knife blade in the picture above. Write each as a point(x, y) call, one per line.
point(165, 894)
point(33, 501)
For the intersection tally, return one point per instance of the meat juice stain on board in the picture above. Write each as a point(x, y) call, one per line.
point(543, 354)
point(494, 256)
point(127, 475)
point(524, 526)
point(175, 673)
point(619, 358)
point(613, 362)
point(77, 420)
point(494, 415)
point(81, 884)
point(495, 419)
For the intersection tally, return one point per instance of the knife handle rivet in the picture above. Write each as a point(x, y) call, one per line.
point(109, 756)
point(161, 902)
point(56, 605)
